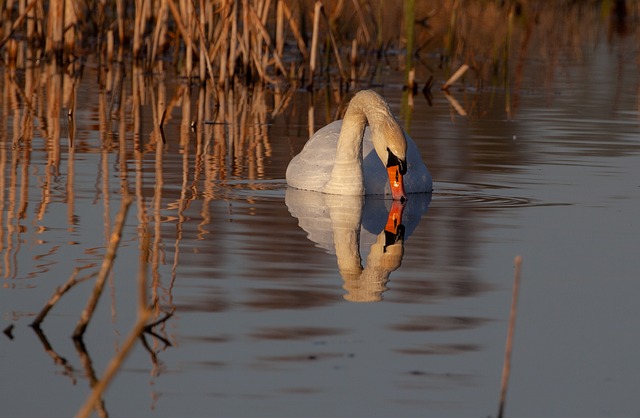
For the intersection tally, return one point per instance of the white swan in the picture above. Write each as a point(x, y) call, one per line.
point(339, 158)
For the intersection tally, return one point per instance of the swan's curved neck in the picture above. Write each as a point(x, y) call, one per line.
point(365, 107)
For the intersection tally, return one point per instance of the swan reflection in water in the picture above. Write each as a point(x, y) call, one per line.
point(344, 224)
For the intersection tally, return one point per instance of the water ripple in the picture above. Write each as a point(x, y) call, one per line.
point(479, 196)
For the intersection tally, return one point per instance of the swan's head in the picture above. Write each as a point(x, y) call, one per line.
point(386, 134)
point(391, 146)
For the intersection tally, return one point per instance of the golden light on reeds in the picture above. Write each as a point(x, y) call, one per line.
point(274, 41)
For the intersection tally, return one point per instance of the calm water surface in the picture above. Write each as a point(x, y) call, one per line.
point(266, 324)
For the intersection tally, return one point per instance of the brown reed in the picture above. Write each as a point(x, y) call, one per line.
point(506, 369)
point(266, 41)
point(459, 73)
point(314, 42)
point(107, 264)
point(72, 281)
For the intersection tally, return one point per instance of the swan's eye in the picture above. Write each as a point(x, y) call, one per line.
point(392, 160)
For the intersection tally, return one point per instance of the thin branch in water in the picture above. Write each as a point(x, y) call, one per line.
point(144, 313)
point(334, 43)
point(459, 73)
point(17, 22)
point(506, 368)
point(294, 29)
point(107, 263)
point(314, 43)
point(73, 280)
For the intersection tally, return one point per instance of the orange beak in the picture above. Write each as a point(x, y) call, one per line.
point(395, 181)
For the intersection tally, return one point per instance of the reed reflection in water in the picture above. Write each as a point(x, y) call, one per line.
point(66, 152)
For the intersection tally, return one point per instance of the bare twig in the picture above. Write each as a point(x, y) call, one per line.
point(144, 313)
point(73, 280)
point(295, 30)
point(314, 42)
point(506, 368)
point(459, 73)
point(18, 22)
point(107, 263)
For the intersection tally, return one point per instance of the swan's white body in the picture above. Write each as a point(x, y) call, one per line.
point(345, 158)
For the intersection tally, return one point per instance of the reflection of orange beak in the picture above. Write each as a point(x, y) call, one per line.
point(394, 219)
point(395, 180)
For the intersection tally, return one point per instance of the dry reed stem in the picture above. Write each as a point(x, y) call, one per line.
point(69, 30)
point(221, 46)
point(202, 45)
point(231, 58)
point(120, 19)
point(314, 41)
point(180, 25)
point(354, 62)
point(158, 32)
point(263, 75)
point(265, 34)
point(72, 281)
point(187, 9)
point(279, 27)
point(295, 30)
point(18, 22)
point(244, 40)
point(506, 368)
point(363, 23)
point(411, 80)
point(33, 23)
point(281, 101)
point(110, 46)
point(107, 264)
point(336, 50)
point(55, 27)
point(203, 49)
point(459, 73)
point(138, 29)
point(507, 52)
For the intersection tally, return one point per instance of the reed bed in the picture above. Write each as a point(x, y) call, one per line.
point(295, 42)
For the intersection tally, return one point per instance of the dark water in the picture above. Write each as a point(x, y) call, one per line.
point(265, 324)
